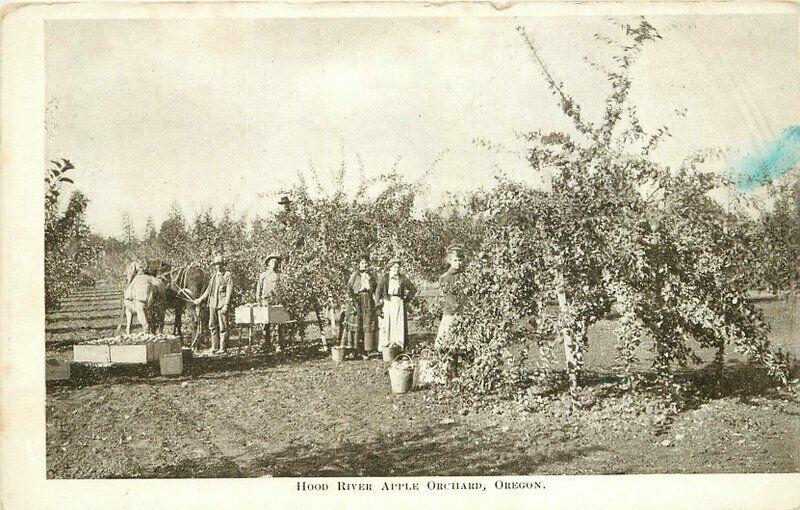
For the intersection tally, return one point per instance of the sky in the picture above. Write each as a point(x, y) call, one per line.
point(227, 113)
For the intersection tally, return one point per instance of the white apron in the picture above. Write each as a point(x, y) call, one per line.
point(392, 325)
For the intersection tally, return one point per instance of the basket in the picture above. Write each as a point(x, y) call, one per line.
point(401, 373)
point(337, 353)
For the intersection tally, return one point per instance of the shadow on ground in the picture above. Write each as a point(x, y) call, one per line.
point(444, 450)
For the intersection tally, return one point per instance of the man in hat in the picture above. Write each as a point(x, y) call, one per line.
point(266, 293)
point(285, 202)
point(218, 292)
point(452, 304)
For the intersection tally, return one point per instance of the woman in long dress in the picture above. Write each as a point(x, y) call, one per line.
point(394, 292)
point(361, 319)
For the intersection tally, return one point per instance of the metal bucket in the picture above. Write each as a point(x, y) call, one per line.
point(337, 353)
point(401, 374)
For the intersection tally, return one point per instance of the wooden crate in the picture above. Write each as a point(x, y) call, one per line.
point(272, 314)
point(56, 370)
point(171, 364)
point(85, 353)
point(258, 314)
point(166, 346)
point(243, 314)
point(142, 353)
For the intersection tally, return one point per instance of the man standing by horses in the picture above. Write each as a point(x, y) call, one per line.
point(218, 293)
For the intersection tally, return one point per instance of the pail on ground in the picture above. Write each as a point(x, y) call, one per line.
point(401, 373)
point(171, 364)
point(337, 353)
point(391, 352)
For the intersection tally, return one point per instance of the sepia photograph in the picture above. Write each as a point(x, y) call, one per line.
point(422, 246)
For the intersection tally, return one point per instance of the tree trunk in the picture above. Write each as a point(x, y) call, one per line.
point(318, 313)
point(573, 335)
point(794, 293)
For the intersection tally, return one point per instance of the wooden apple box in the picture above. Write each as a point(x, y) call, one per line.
point(141, 353)
point(56, 370)
point(272, 314)
point(171, 364)
point(243, 314)
point(166, 346)
point(258, 314)
point(175, 345)
point(85, 353)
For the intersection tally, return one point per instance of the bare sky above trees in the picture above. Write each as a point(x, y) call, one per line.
point(226, 113)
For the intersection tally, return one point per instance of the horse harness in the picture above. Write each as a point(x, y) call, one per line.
point(178, 275)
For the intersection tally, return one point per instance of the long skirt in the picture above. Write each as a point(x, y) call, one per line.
point(361, 324)
point(369, 320)
point(393, 324)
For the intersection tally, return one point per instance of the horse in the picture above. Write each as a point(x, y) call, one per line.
point(183, 285)
point(146, 297)
point(186, 285)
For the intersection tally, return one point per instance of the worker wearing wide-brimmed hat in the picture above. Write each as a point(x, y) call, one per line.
point(394, 292)
point(452, 303)
point(218, 293)
point(267, 293)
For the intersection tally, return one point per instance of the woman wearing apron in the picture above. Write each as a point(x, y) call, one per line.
point(392, 296)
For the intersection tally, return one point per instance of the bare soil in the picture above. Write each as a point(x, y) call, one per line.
point(301, 414)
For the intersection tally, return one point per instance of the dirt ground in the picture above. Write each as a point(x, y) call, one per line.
point(301, 414)
point(290, 417)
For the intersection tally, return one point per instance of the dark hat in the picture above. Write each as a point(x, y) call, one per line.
point(272, 256)
point(284, 200)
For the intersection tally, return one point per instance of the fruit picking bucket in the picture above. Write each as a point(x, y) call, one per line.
point(401, 373)
point(337, 353)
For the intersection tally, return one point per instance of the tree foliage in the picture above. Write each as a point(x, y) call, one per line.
point(69, 247)
point(615, 228)
point(320, 236)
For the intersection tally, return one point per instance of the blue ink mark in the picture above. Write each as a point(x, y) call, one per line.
point(770, 161)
